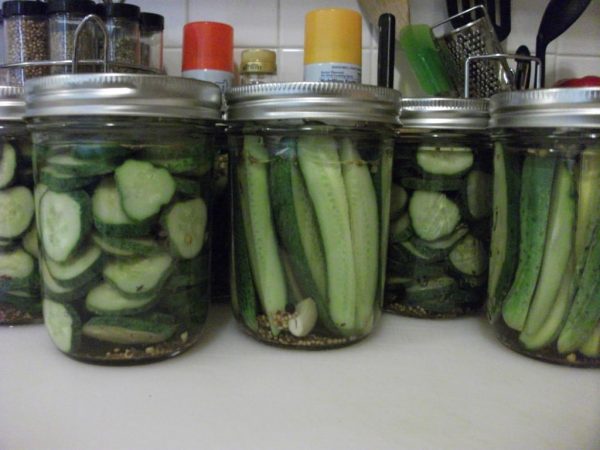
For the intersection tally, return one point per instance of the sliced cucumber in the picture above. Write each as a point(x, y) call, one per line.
point(69, 165)
point(61, 182)
point(79, 270)
point(417, 270)
point(398, 201)
point(55, 291)
point(65, 222)
point(433, 215)
point(63, 325)
point(190, 272)
point(444, 160)
point(185, 223)
point(141, 276)
point(191, 165)
point(126, 247)
point(16, 211)
point(538, 174)
point(469, 257)
point(106, 299)
point(110, 218)
point(23, 300)
point(443, 244)
point(591, 348)
point(407, 252)
point(188, 186)
point(38, 192)
point(17, 270)
point(401, 229)
point(30, 242)
point(143, 188)
point(101, 151)
point(478, 194)
point(143, 330)
point(8, 165)
point(432, 294)
point(437, 184)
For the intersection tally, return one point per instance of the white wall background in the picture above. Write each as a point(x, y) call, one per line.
point(279, 25)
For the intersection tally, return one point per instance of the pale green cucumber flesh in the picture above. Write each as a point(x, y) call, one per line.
point(16, 211)
point(8, 165)
point(17, 270)
point(433, 215)
point(106, 299)
point(469, 257)
point(479, 194)
point(80, 269)
point(185, 223)
point(142, 330)
point(444, 160)
point(398, 201)
point(591, 348)
point(63, 325)
point(138, 276)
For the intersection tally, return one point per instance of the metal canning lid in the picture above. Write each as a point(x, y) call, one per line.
point(313, 100)
point(113, 94)
point(445, 113)
point(546, 108)
point(12, 103)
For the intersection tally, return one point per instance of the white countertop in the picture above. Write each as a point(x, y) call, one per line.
point(414, 384)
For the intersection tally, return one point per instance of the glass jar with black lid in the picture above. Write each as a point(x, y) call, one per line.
point(151, 40)
point(123, 25)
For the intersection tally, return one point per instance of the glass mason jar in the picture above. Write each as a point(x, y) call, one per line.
point(124, 186)
point(441, 208)
point(19, 281)
point(25, 37)
point(544, 287)
point(311, 173)
point(64, 16)
point(151, 40)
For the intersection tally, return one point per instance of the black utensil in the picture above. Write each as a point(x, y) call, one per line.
point(558, 18)
point(387, 47)
point(523, 70)
point(501, 21)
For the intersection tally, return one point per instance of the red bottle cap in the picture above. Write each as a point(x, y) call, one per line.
point(207, 45)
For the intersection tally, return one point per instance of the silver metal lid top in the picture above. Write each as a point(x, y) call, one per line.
point(12, 103)
point(313, 100)
point(546, 108)
point(122, 95)
point(444, 113)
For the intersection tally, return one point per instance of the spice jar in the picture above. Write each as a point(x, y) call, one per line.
point(441, 207)
point(19, 281)
point(544, 286)
point(64, 16)
point(258, 66)
point(124, 184)
point(310, 187)
point(151, 40)
point(26, 38)
point(123, 26)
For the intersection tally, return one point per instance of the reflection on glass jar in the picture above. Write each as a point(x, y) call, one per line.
point(441, 207)
point(310, 213)
point(123, 204)
point(544, 286)
point(19, 281)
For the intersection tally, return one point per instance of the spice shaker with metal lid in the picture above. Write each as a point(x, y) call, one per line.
point(26, 38)
point(123, 26)
point(124, 182)
point(64, 16)
point(544, 284)
point(440, 210)
point(311, 171)
point(151, 40)
point(19, 280)
point(258, 66)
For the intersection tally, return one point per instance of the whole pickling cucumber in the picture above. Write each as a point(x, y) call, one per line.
point(320, 165)
point(364, 227)
point(267, 270)
point(538, 173)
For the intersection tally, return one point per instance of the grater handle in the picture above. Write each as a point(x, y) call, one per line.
point(98, 22)
point(465, 12)
point(499, 56)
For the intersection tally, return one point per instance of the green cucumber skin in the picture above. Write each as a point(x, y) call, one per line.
point(504, 248)
point(260, 231)
point(298, 229)
point(559, 243)
point(64, 183)
point(538, 174)
point(437, 184)
point(50, 308)
point(79, 168)
point(585, 310)
point(364, 228)
point(243, 292)
point(142, 330)
point(320, 166)
point(83, 278)
point(591, 348)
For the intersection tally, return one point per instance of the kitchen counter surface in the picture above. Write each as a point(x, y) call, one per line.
point(413, 384)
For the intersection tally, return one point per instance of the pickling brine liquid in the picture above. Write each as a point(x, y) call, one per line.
point(544, 283)
point(19, 280)
point(310, 222)
point(123, 219)
point(440, 224)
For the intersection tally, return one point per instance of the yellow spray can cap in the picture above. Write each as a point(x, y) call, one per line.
point(333, 35)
